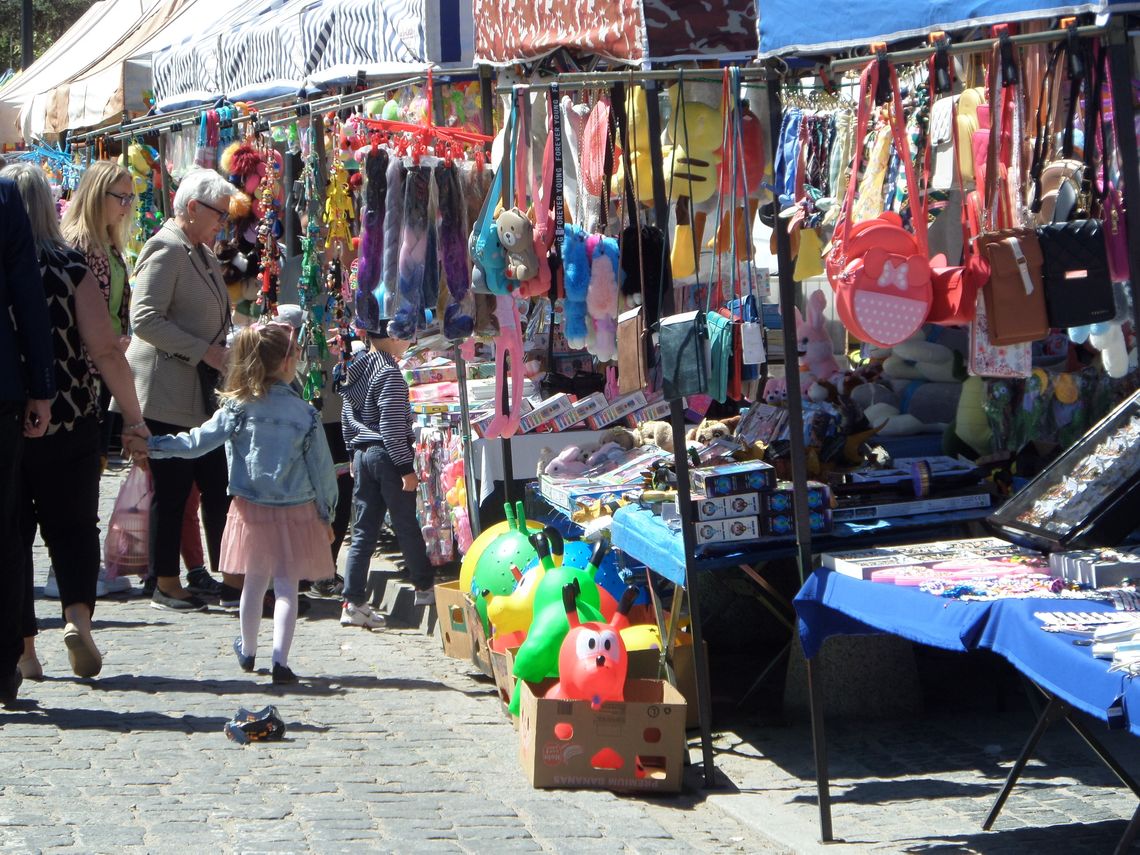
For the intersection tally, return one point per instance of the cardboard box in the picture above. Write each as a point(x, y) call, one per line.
point(552, 407)
point(782, 499)
point(443, 373)
point(452, 620)
point(748, 477)
point(783, 523)
point(480, 650)
point(618, 409)
point(658, 411)
point(725, 507)
point(644, 665)
point(727, 531)
point(482, 418)
point(635, 745)
point(579, 411)
point(502, 667)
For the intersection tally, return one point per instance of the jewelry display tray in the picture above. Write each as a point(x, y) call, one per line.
point(1087, 497)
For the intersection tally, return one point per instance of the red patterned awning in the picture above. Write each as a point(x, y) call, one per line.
point(625, 31)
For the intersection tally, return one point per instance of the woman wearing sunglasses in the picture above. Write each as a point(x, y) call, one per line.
point(180, 317)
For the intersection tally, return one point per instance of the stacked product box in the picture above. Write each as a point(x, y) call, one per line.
point(579, 411)
point(778, 517)
point(617, 410)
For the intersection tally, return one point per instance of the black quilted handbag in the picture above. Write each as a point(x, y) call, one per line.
point(1078, 286)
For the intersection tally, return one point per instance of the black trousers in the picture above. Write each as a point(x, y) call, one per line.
point(172, 479)
point(61, 499)
point(335, 437)
point(11, 550)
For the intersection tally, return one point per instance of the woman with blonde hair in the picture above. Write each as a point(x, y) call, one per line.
point(282, 479)
point(61, 469)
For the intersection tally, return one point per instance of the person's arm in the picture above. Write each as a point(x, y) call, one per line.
point(197, 441)
point(103, 346)
point(155, 281)
point(395, 415)
point(322, 470)
point(29, 308)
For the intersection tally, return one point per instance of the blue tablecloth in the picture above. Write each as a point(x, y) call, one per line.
point(642, 535)
point(833, 604)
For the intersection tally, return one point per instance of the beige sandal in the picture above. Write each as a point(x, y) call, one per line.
point(30, 668)
point(86, 661)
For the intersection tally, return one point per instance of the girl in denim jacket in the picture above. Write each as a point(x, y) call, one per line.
point(281, 477)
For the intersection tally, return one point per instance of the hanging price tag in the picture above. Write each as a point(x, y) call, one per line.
point(752, 343)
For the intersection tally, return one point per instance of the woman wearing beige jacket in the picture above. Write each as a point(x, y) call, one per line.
point(180, 316)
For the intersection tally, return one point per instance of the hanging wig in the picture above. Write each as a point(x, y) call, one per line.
point(393, 222)
point(409, 313)
point(370, 296)
point(458, 314)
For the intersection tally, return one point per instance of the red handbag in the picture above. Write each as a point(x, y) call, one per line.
point(880, 272)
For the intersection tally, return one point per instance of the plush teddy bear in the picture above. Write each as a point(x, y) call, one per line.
point(516, 234)
point(710, 430)
point(655, 433)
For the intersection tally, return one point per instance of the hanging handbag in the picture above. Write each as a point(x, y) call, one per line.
point(1014, 295)
point(880, 271)
point(487, 252)
point(1078, 284)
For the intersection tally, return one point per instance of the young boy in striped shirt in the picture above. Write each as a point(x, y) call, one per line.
point(377, 425)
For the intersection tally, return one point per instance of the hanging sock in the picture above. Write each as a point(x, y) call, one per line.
point(409, 312)
point(459, 313)
point(393, 224)
point(370, 294)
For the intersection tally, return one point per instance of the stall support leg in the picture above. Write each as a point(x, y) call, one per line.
point(1098, 748)
point(1125, 844)
point(1054, 710)
point(1120, 66)
point(799, 456)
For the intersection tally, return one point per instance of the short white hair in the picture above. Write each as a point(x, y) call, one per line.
point(203, 185)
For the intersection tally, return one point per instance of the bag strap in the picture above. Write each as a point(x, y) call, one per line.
point(607, 169)
point(1001, 99)
point(678, 109)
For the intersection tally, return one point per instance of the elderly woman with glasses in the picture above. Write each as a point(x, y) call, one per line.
point(180, 316)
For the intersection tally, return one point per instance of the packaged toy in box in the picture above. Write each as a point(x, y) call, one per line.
point(729, 478)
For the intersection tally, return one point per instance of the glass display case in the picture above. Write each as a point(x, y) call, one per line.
point(1089, 496)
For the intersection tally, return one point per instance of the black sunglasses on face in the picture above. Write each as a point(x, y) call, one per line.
point(223, 216)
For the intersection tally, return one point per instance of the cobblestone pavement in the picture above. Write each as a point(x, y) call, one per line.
point(391, 747)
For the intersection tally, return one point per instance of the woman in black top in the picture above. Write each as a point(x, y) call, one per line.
point(61, 469)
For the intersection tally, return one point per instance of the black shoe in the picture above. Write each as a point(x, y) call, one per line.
point(330, 588)
point(229, 597)
point(10, 685)
point(246, 662)
point(199, 581)
point(303, 605)
point(282, 676)
point(149, 584)
point(160, 600)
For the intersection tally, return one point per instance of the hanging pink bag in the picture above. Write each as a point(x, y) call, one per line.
point(125, 551)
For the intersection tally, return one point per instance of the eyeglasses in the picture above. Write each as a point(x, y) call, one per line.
point(125, 199)
point(223, 216)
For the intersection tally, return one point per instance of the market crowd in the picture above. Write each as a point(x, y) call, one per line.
point(91, 350)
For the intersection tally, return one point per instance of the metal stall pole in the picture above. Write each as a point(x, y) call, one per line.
point(680, 457)
point(164, 193)
point(799, 460)
point(292, 221)
point(465, 439)
point(1120, 67)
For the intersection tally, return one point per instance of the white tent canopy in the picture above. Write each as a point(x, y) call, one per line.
point(283, 46)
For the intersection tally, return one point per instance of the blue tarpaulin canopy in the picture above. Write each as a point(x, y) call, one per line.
point(827, 26)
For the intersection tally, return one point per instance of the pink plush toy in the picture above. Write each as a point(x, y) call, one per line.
point(605, 453)
point(776, 391)
point(813, 344)
point(602, 298)
point(568, 464)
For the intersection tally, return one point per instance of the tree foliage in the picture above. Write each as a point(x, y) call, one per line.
point(50, 20)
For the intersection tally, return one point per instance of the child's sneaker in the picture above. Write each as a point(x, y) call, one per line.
point(361, 615)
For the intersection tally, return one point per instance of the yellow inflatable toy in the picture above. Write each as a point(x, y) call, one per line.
point(485, 539)
point(514, 612)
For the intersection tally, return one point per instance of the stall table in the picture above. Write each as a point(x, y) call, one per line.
point(1068, 676)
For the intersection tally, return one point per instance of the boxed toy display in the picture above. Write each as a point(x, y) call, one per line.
point(750, 476)
point(580, 411)
point(726, 507)
point(552, 407)
point(726, 531)
point(618, 409)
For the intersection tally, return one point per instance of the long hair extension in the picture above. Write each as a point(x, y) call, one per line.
point(393, 223)
point(370, 296)
point(459, 313)
point(409, 313)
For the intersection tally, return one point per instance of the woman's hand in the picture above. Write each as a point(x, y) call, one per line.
point(134, 442)
point(410, 482)
point(216, 356)
point(37, 414)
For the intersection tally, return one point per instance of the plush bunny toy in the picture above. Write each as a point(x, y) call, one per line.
point(813, 344)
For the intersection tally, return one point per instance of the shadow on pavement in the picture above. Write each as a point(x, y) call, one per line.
point(257, 683)
point(1072, 839)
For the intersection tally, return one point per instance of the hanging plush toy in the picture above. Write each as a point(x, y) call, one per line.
point(592, 661)
point(576, 282)
point(602, 296)
point(369, 293)
point(516, 234)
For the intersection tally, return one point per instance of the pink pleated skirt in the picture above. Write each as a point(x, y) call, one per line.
point(271, 540)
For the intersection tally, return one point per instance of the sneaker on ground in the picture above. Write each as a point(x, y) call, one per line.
point(329, 588)
point(199, 581)
point(425, 598)
point(361, 615)
point(160, 600)
point(229, 597)
point(111, 584)
point(51, 587)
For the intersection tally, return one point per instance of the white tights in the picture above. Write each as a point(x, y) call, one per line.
point(284, 615)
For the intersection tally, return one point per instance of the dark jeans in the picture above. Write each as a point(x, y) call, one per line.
point(172, 480)
point(11, 550)
point(61, 498)
point(379, 489)
point(343, 486)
